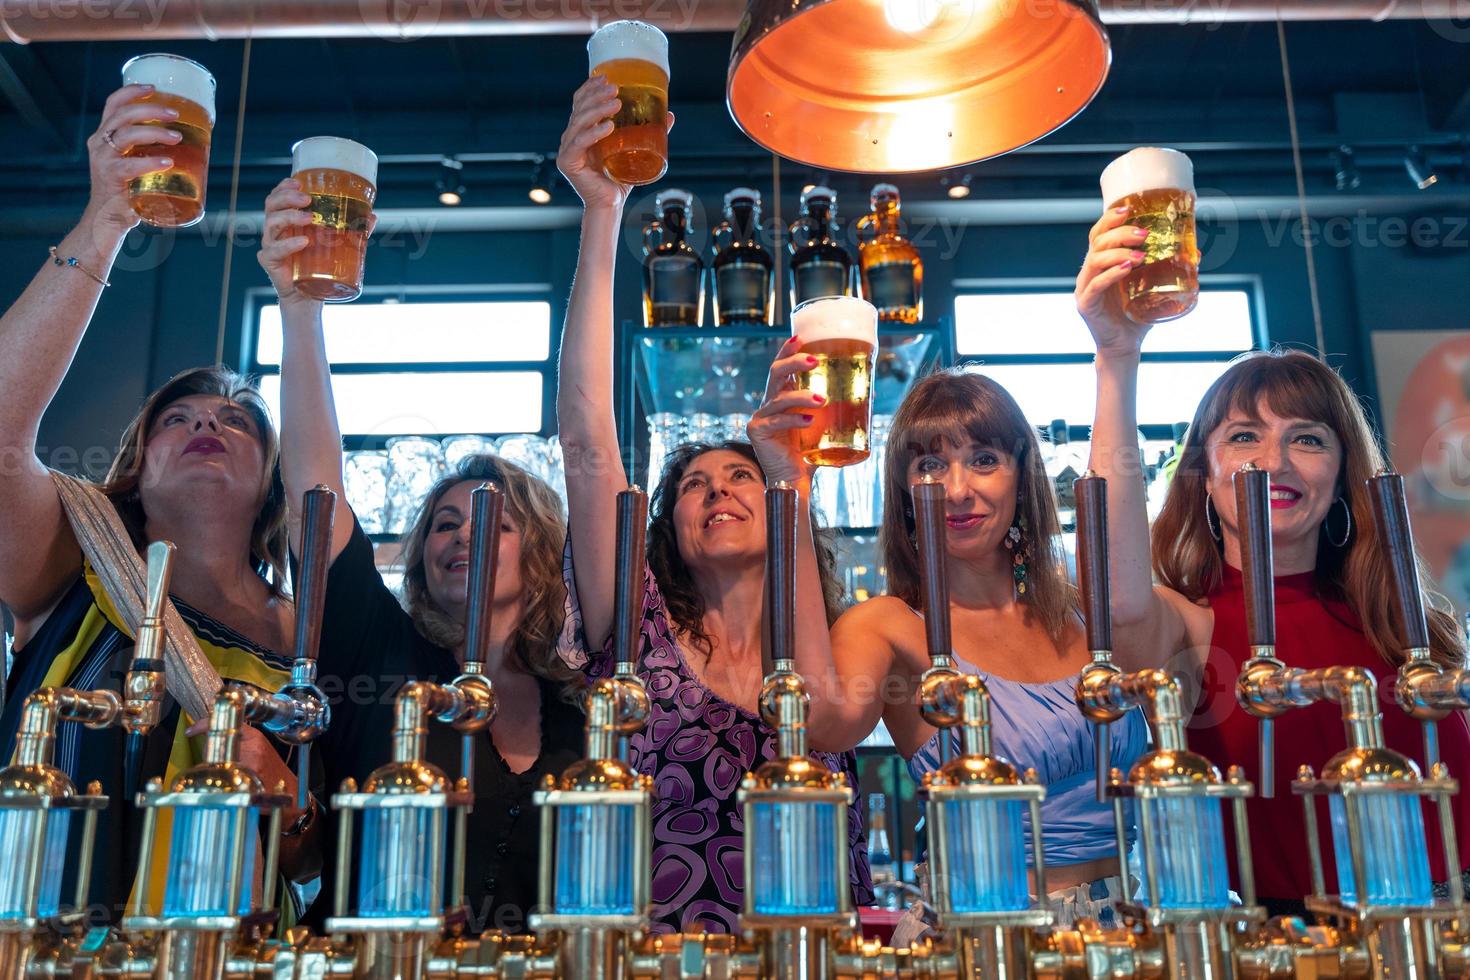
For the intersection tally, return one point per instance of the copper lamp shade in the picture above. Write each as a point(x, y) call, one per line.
point(895, 86)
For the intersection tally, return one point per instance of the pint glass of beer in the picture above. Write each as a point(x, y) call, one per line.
point(174, 197)
point(841, 332)
point(1157, 186)
point(635, 57)
point(341, 177)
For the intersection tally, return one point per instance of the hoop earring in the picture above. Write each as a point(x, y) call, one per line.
point(1212, 519)
point(1015, 542)
point(1347, 533)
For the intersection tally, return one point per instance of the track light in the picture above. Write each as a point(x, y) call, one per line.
point(450, 184)
point(540, 191)
point(1345, 169)
point(1418, 169)
point(957, 189)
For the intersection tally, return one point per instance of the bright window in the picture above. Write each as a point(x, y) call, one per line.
point(427, 366)
point(1035, 344)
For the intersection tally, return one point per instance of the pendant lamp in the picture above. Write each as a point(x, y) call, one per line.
point(898, 86)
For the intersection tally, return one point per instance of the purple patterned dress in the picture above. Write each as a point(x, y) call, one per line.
point(697, 747)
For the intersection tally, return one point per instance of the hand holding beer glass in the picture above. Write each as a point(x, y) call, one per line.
point(840, 334)
point(341, 178)
point(173, 196)
point(1156, 186)
point(634, 56)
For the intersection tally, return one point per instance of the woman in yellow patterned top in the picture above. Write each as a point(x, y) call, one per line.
point(196, 466)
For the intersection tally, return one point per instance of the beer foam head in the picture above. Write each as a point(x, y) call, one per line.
point(883, 190)
point(743, 194)
point(1147, 168)
point(172, 75)
point(628, 39)
point(835, 318)
point(335, 153)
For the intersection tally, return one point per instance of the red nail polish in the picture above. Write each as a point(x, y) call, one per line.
point(811, 360)
point(1126, 265)
point(819, 399)
point(808, 418)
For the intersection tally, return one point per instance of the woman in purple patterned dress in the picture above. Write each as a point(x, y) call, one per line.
point(704, 588)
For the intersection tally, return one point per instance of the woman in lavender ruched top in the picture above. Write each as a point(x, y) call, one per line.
point(703, 600)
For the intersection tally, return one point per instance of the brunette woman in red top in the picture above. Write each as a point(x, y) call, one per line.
point(1294, 417)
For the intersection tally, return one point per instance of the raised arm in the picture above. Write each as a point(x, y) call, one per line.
point(311, 443)
point(844, 705)
point(1148, 628)
point(584, 393)
point(39, 336)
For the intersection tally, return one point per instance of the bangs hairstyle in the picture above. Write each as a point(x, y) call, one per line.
point(675, 580)
point(957, 407)
point(268, 536)
point(537, 512)
point(1295, 385)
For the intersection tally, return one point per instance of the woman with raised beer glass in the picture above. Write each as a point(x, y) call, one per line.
point(371, 644)
point(704, 592)
point(196, 466)
point(1016, 621)
point(1288, 414)
point(172, 194)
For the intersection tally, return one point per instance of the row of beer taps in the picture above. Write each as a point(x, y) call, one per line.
point(401, 848)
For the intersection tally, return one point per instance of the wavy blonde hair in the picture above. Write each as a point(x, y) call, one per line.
point(959, 406)
point(1188, 559)
point(537, 511)
point(268, 541)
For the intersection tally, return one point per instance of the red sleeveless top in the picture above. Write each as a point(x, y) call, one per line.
point(1311, 632)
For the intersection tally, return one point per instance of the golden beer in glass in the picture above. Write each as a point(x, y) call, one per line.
point(341, 177)
point(174, 197)
point(635, 57)
point(1157, 187)
point(841, 332)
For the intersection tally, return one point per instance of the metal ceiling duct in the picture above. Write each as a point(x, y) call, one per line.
point(23, 21)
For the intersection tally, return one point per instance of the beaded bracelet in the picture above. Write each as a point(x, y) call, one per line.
point(72, 261)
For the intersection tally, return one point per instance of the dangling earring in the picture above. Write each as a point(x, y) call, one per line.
point(1212, 520)
point(1347, 533)
point(1015, 543)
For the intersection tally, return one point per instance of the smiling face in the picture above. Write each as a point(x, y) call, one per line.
point(447, 552)
point(1304, 459)
point(720, 510)
point(203, 444)
point(981, 485)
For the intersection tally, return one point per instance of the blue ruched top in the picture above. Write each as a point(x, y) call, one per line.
point(1038, 726)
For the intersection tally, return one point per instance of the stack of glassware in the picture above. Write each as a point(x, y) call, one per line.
point(386, 487)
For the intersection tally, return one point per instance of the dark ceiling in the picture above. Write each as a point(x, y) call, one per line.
point(1215, 90)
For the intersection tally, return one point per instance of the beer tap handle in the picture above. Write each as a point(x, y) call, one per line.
point(781, 501)
point(1092, 576)
point(1253, 512)
point(929, 536)
point(487, 507)
point(318, 513)
point(632, 528)
point(1391, 512)
point(487, 510)
point(144, 686)
point(1253, 516)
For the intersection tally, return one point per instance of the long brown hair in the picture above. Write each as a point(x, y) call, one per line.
point(1188, 559)
point(537, 511)
point(960, 406)
point(685, 604)
point(268, 542)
